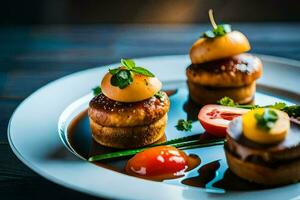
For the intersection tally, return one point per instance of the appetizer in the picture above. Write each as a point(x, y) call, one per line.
point(263, 146)
point(220, 67)
point(130, 111)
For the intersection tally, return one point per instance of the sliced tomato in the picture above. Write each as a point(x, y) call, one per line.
point(215, 118)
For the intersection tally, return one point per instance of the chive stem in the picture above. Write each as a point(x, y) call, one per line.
point(188, 142)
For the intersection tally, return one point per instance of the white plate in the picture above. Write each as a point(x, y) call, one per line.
point(32, 134)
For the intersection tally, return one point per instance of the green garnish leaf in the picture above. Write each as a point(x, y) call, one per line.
point(143, 71)
point(114, 71)
point(128, 63)
point(97, 90)
point(122, 76)
point(160, 95)
point(184, 125)
point(278, 106)
point(121, 79)
point(226, 101)
point(267, 119)
point(220, 30)
point(292, 111)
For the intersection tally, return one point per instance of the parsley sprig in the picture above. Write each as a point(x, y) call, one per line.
point(267, 119)
point(184, 125)
point(218, 30)
point(160, 95)
point(292, 111)
point(123, 76)
point(97, 90)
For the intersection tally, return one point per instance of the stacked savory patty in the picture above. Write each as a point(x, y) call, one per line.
point(264, 151)
point(131, 114)
point(221, 68)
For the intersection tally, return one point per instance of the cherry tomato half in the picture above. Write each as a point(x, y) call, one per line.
point(161, 161)
point(215, 118)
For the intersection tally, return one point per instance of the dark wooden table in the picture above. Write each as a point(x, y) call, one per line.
point(33, 56)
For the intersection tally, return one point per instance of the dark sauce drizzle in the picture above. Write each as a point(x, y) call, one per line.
point(85, 146)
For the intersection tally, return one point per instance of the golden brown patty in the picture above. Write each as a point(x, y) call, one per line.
point(236, 71)
point(205, 95)
point(283, 173)
point(274, 164)
point(107, 112)
point(129, 137)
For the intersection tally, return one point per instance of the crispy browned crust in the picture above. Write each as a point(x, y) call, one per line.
point(128, 137)
point(107, 112)
point(285, 173)
point(235, 71)
point(210, 95)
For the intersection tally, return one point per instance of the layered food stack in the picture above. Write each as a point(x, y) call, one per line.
point(131, 111)
point(220, 67)
point(263, 146)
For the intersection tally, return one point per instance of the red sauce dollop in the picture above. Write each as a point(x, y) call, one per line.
point(160, 163)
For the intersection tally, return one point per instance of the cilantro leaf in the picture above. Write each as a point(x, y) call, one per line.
point(267, 119)
point(121, 79)
point(184, 125)
point(122, 76)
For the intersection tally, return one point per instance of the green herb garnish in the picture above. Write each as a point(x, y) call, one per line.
point(184, 125)
point(267, 119)
point(160, 95)
point(226, 101)
point(292, 111)
point(183, 143)
point(143, 71)
point(97, 90)
point(121, 79)
point(122, 76)
point(218, 30)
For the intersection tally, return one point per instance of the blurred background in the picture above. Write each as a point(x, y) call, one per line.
point(145, 11)
point(42, 40)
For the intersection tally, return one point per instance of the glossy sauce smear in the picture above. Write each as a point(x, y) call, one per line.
point(161, 163)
